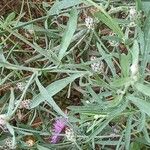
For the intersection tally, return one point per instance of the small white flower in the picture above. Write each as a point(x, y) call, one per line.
point(9, 143)
point(70, 135)
point(134, 69)
point(20, 86)
point(132, 13)
point(89, 22)
point(132, 24)
point(134, 73)
point(97, 66)
point(3, 121)
point(112, 42)
point(88, 102)
point(25, 104)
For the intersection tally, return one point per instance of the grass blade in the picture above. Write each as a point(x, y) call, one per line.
point(54, 88)
point(110, 23)
point(128, 133)
point(46, 96)
point(67, 37)
point(141, 104)
point(145, 89)
point(59, 5)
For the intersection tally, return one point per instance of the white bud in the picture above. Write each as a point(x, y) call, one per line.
point(132, 12)
point(25, 104)
point(87, 102)
point(9, 143)
point(96, 117)
point(97, 66)
point(89, 22)
point(20, 86)
point(2, 119)
point(134, 69)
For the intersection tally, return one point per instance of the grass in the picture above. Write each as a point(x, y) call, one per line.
point(75, 75)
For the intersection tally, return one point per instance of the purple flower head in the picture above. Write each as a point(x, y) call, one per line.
point(58, 127)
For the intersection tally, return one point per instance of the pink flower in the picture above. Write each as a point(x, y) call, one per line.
point(58, 128)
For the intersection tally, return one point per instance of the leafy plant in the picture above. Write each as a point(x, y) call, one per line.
point(83, 62)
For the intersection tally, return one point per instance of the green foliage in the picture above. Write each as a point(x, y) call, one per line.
point(84, 61)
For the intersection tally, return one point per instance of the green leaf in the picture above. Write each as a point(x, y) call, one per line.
point(108, 142)
point(59, 5)
point(107, 58)
point(112, 24)
point(12, 132)
point(54, 88)
point(46, 96)
point(68, 35)
point(100, 128)
point(128, 133)
point(120, 82)
point(39, 147)
point(10, 17)
point(139, 4)
point(146, 6)
point(136, 146)
point(2, 58)
point(89, 110)
point(125, 65)
point(145, 89)
point(141, 104)
point(11, 102)
point(146, 54)
point(135, 52)
point(141, 41)
point(142, 121)
point(146, 134)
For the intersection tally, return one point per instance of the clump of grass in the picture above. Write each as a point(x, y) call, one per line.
point(83, 69)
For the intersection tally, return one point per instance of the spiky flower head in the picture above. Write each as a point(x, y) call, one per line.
point(58, 127)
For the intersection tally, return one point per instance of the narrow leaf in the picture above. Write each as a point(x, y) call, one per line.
point(11, 102)
point(67, 37)
point(146, 54)
point(54, 88)
point(112, 24)
point(145, 89)
point(141, 104)
point(135, 52)
point(39, 147)
point(128, 133)
point(59, 5)
point(125, 65)
point(46, 96)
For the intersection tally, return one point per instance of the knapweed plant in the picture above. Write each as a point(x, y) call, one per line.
point(75, 75)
